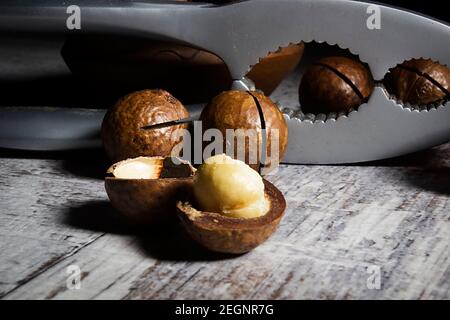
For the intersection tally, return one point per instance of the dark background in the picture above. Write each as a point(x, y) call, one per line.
point(437, 9)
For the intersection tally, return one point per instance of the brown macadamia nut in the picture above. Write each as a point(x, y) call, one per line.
point(251, 111)
point(122, 135)
point(335, 84)
point(419, 82)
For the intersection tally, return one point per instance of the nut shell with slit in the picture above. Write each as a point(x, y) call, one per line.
point(419, 82)
point(121, 132)
point(243, 110)
point(335, 84)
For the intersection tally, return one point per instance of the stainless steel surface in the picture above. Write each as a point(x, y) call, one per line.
point(49, 129)
point(244, 84)
point(380, 129)
point(243, 32)
point(53, 129)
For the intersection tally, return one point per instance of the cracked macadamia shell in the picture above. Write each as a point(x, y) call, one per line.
point(232, 235)
point(145, 189)
point(236, 109)
point(122, 135)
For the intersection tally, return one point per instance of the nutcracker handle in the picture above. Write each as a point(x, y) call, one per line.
point(154, 19)
point(242, 32)
point(205, 26)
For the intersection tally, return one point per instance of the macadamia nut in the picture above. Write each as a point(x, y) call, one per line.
point(230, 187)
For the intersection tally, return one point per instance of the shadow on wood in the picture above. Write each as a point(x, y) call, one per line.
point(436, 180)
point(84, 163)
point(97, 216)
point(166, 242)
point(433, 157)
point(171, 243)
point(87, 163)
point(428, 170)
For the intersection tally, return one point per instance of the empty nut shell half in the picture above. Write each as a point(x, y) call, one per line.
point(145, 189)
point(232, 235)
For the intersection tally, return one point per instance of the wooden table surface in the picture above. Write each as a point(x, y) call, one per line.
point(344, 227)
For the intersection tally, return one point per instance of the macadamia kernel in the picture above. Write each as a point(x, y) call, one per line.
point(138, 168)
point(230, 187)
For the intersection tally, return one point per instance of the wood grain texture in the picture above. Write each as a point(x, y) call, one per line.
point(393, 215)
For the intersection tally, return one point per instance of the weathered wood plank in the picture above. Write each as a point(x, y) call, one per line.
point(34, 197)
point(393, 215)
